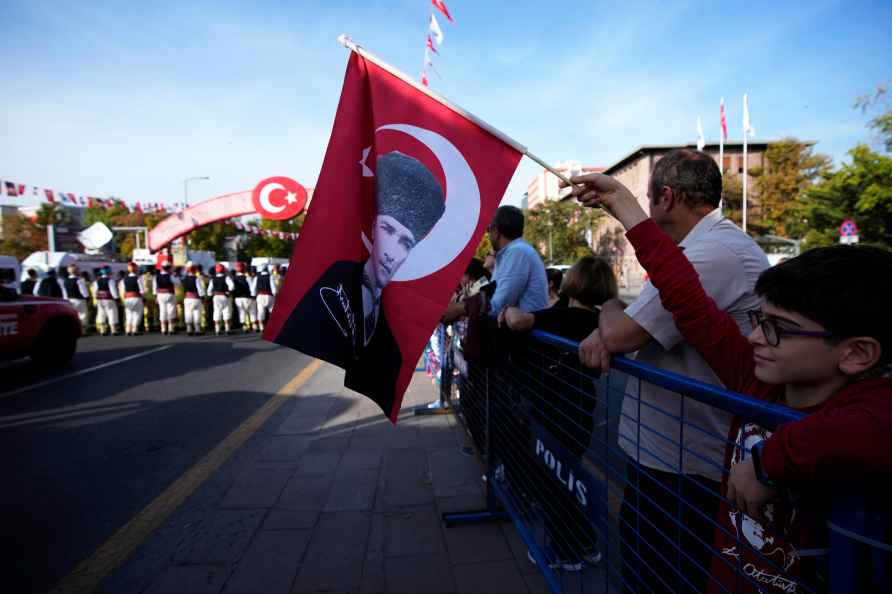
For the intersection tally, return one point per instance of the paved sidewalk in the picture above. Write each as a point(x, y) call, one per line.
point(329, 497)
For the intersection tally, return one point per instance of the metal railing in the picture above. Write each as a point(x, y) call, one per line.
point(597, 481)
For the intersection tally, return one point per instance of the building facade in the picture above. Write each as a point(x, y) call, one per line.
point(546, 185)
point(634, 171)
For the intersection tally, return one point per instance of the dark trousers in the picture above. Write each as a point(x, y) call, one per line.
point(658, 510)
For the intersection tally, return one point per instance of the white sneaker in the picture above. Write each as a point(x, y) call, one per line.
point(592, 558)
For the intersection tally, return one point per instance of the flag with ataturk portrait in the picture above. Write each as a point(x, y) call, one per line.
point(407, 188)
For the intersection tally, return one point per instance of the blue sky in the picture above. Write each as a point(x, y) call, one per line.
point(128, 99)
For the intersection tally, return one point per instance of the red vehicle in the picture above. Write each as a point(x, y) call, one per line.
point(43, 328)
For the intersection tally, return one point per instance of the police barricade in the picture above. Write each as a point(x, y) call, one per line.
point(596, 520)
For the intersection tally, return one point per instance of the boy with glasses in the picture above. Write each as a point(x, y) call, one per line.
point(820, 343)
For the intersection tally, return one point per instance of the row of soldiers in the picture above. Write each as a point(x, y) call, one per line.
point(177, 299)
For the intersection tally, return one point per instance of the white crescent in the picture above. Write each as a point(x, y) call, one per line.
point(264, 198)
point(456, 227)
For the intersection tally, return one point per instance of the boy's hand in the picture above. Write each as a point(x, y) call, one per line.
point(593, 353)
point(597, 189)
point(746, 492)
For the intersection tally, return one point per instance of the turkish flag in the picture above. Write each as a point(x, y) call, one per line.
point(406, 191)
point(441, 6)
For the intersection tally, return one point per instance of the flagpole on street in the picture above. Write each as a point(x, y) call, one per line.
point(349, 44)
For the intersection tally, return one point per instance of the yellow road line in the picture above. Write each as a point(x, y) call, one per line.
point(113, 552)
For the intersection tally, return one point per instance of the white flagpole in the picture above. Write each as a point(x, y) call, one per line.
point(745, 170)
point(348, 43)
point(721, 146)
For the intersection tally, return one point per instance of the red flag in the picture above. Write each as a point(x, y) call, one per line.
point(722, 119)
point(406, 191)
point(137, 208)
point(49, 195)
point(71, 198)
point(21, 189)
point(424, 80)
point(441, 6)
point(430, 45)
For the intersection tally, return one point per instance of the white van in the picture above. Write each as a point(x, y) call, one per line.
point(10, 273)
point(44, 260)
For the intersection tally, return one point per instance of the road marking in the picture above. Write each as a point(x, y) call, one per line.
point(83, 371)
point(113, 552)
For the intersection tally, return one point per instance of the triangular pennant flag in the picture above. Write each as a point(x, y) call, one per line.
point(441, 6)
point(434, 28)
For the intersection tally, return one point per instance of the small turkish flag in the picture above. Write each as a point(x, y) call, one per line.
point(406, 191)
point(430, 45)
point(441, 6)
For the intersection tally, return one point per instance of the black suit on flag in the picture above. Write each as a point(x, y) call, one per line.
point(328, 323)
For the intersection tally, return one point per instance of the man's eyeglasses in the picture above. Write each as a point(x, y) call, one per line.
point(773, 331)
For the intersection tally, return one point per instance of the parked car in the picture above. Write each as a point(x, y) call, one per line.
point(43, 328)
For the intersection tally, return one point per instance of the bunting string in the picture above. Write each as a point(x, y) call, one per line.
point(11, 189)
point(434, 40)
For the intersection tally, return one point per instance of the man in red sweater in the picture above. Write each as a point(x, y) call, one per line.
point(821, 343)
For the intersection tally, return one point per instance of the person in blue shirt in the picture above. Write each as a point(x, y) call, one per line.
point(519, 275)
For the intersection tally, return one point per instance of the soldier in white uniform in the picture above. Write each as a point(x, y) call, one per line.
point(221, 286)
point(106, 290)
point(75, 290)
point(165, 293)
point(193, 302)
point(133, 292)
point(265, 290)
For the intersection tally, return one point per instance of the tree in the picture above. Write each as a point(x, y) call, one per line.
point(732, 197)
point(51, 213)
point(561, 230)
point(790, 168)
point(861, 191)
point(22, 237)
point(880, 98)
point(273, 247)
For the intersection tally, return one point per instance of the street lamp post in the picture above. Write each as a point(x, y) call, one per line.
point(186, 187)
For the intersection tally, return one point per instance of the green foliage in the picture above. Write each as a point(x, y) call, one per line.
point(51, 213)
point(559, 230)
point(790, 169)
point(22, 237)
point(861, 191)
point(210, 238)
point(732, 197)
point(483, 248)
point(273, 247)
point(881, 98)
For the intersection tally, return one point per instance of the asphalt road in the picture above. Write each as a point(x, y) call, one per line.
point(82, 456)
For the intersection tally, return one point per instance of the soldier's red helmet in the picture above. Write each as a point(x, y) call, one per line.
point(239, 266)
point(219, 268)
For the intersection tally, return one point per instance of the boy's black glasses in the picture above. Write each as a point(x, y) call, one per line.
point(773, 331)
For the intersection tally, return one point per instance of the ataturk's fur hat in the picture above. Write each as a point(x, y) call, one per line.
point(408, 191)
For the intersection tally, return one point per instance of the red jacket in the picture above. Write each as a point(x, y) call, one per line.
point(840, 440)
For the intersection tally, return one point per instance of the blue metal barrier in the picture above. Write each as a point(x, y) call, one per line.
point(562, 464)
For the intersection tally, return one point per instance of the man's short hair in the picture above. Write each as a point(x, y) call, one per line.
point(475, 269)
point(589, 281)
point(407, 191)
point(693, 176)
point(32, 273)
point(843, 288)
point(508, 221)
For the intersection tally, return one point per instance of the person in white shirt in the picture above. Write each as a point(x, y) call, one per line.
point(265, 291)
point(74, 289)
point(193, 302)
point(106, 290)
point(243, 294)
point(221, 287)
point(133, 292)
point(165, 292)
point(675, 445)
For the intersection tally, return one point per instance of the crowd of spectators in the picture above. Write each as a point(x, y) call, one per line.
point(794, 334)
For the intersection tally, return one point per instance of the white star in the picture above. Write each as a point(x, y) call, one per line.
point(366, 172)
point(290, 197)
